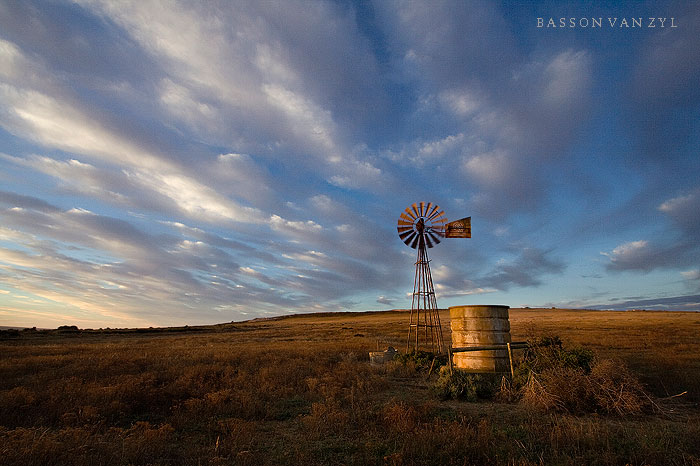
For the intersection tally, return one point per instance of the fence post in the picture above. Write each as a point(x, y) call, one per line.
point(510, 358)
point(449, 358)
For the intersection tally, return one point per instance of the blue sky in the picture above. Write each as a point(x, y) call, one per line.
point(171, 163)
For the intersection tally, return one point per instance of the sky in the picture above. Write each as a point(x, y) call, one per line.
point(181, 163)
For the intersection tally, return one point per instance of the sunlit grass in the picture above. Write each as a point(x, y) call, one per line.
point(300, 390)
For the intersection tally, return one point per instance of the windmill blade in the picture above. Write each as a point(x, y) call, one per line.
point(415, 210)
point(408, 214)
point(406, 219)
point(410, 239)
point(402, 229)
point(429, 209)
point(405, 223)
point(414, 243)
point(434, 237)
point(407, 236)
point(436, 214)
point(437, 229)
point(404, 234)
point(440, 220)
point(422, 211)
point(427, 240)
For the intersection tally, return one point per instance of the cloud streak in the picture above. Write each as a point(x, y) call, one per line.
point(172, 163)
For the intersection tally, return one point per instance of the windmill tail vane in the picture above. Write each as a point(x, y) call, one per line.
point(421, 226)
point(461, 228)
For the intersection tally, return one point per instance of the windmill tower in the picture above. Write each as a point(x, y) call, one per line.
point(421, 227)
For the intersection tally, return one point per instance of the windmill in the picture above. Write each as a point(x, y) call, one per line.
point(420, 227)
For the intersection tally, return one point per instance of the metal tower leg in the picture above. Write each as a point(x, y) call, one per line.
point(424, 301)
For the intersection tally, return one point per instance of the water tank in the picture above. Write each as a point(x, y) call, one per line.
point(380, 357)
point(480, 326)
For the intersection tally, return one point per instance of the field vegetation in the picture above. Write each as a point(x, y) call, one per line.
point(300, 390)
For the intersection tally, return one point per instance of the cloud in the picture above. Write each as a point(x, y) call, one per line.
point(385, 300)
point(635, 255)
point(676, 247)
point(60, 126)
point(450, 283)
point(684, 210)
point(664, 303)
point(114, 252)
point(461, 102)
point(184, 267)
point(692, 278)
point(300, 229)
point(210, 80)
point(645, 256)
point(258, 79)
point(525, 131)
point(428, 153)
point(663, 97)
point(675, 303)
point(239, 175)
point(155, 180)
point(444, 51)
point(509, 118)
point(525, 270)
point(90, 50)
point(18, 200)
point(194, 199)
point(492, 169)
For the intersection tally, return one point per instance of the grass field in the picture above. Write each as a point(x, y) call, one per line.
point(300, 390)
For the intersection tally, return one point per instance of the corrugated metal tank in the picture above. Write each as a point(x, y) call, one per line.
point(479, 326)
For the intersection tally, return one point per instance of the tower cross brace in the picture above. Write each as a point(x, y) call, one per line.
point(425, 317)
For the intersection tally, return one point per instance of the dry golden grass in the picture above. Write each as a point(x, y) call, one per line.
point(299, 390)
point(662, 348)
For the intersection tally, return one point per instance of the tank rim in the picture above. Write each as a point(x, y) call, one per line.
point(479, 305)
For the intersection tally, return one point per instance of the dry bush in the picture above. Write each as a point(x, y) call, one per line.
point(461, 385)
point(507, 391)
point(557, 389)
point(609, 389)
point(553, 378)
point(616, 390)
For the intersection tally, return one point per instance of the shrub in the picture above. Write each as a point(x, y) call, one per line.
point(545, 353)
point(615, 390)
point(557, 389)
point(552, 378)
point(421, 359)
point(461, 385)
